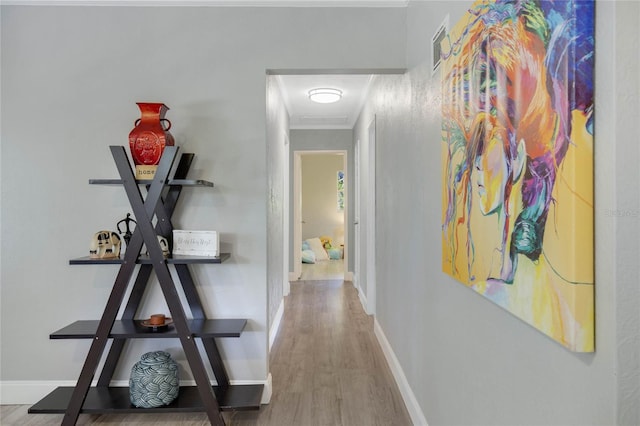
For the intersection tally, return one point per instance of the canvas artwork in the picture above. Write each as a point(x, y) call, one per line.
point(340, 190)
point(517, 155)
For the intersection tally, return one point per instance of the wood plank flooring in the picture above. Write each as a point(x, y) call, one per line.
point(323, 270)
point(326, 364)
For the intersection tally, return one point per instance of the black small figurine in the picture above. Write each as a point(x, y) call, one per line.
point(127, 232)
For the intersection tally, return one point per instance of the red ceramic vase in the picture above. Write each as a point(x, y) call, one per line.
point(149, 136)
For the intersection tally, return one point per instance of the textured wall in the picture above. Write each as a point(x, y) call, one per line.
point(625, 212)
point(467, 360)
point(70, 80)
point(277, 165)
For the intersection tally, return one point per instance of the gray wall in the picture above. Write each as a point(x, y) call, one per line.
point(70, 80)
point(314, 140)
point(277, 164)
point(621, 210)
point(467, 360)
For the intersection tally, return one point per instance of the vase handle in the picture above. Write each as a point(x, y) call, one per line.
point(135, 124)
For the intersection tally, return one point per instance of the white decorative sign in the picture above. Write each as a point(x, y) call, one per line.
point(196, 243)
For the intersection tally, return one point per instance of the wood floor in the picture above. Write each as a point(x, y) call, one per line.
point(323, 270)
point(327, 369)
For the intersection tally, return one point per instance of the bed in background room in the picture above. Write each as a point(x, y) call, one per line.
point(318, 249)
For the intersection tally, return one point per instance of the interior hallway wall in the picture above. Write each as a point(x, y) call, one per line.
point(70, 79)
point(277, 164)
point(467, 360)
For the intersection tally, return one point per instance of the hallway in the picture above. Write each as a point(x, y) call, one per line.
point(327, 366)
point(327, 369)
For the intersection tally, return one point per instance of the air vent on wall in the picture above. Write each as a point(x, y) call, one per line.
point(436, 49)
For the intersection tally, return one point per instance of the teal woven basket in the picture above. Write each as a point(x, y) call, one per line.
point(154, 380)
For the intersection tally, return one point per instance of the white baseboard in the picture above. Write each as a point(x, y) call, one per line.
point(266, 393)
point(363, 298)
point(28, 392)
point(268, 390)
point(415, 412)
point(286, 288)
point(354, 281)
point(275, 326)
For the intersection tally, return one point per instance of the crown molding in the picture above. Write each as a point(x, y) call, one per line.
point(212, 3)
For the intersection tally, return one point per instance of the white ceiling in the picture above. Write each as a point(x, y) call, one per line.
point(305, 114)
point(215, 3)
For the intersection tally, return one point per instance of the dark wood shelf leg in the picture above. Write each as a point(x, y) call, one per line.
point(145, 209)
point(180, 322)
point(102, 334)
point(144, 212)
point(168, 203)
point(197, 310)
point(193, 356)
point(130, 310)
point(145, 232)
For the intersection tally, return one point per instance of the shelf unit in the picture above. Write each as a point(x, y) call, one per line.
point(162, 195)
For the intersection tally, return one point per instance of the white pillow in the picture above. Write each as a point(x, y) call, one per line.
point(316, 246)
point(308, 256)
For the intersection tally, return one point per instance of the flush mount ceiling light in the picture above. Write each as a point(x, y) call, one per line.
point(325, 95)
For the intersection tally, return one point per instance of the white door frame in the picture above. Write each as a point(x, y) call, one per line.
point(297, 216)
point(297, 208)
point(371, 219)
point(357, 234)
point(286, 287)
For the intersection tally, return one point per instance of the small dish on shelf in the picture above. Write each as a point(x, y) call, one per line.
point(157, 326)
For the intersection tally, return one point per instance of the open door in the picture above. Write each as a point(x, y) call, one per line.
point(357, 234)
point(371, 219)
point(286, 287)
point(365, 220)
point(297, 216)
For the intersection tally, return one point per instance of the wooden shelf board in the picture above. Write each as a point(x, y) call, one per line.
point(172, 260)
point(124, 329)
point(170, 182)
point(116, 400)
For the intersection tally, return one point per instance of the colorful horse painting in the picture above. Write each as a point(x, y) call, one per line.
point(517, 154)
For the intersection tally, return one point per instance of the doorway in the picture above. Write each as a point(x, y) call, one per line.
point(365, 218)
point(320, 214)
point(345, 115)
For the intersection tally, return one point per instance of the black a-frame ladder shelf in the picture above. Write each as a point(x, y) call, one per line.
point(161, 198)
